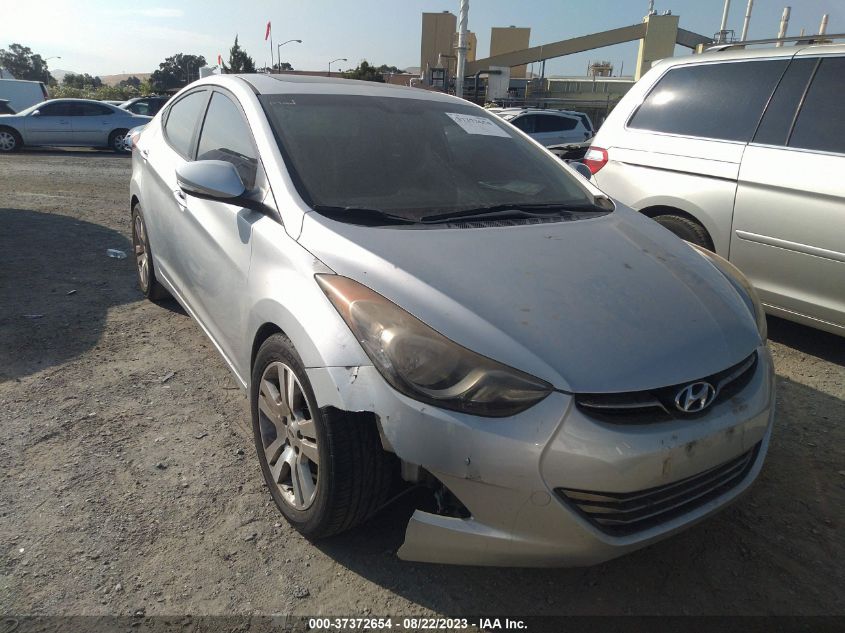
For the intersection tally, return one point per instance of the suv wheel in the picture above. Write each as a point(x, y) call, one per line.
point(325, 469)
point(686, 228)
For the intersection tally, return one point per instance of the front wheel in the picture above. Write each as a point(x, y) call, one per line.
point(10, 141)
point(326, 470)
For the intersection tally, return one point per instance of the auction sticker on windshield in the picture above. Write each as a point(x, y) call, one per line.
point(477, 125)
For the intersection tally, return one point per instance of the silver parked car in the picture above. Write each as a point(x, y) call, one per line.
point(742, 152)
point(412, 291)
point(550, 127)
point(68, 123)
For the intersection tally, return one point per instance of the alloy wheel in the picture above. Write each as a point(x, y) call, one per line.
point(118, 142)
point(142, 258)
point(288, 436)
point(7, 141)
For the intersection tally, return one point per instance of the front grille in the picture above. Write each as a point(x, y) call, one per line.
point(658, 405)
point(621, 513)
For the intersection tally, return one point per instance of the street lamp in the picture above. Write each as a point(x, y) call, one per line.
point(279, 55)
point(46, 59)
point(339, 59)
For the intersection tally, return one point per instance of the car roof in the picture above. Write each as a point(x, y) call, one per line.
point(733, 54)
point(308, 84)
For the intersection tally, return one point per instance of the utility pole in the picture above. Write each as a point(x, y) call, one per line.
point(784, 23)
point(746, 21)
point(462, 48)
point(724, 25)
point(823, 25)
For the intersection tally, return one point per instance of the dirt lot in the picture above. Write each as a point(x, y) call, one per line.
point(129, 481)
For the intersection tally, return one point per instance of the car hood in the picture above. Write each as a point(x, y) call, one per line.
point(608, 304)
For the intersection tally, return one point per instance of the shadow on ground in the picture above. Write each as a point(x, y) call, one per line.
point(775, 551)
point(817, 343)
point(56, 286)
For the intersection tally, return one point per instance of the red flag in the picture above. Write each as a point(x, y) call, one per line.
point(267, 34)
point(219, 60)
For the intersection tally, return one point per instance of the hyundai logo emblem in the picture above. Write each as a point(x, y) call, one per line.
point(695, 397)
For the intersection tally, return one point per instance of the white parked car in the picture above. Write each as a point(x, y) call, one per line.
point(550, 127)
point(743, 152)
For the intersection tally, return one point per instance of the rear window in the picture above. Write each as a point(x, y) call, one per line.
point(821, 121)
point(554, 123)
point(718, 101)
point(182, 121)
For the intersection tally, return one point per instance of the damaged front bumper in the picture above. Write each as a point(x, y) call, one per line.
point(509, 472)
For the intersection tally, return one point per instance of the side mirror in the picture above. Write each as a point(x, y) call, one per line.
point(211, 179)
point(582, 169)
point(36, 113)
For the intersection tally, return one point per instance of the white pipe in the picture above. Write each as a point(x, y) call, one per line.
point(823, 25)
point(462, 48)
point(746, 21)
point(724, 25)
point(784, 23)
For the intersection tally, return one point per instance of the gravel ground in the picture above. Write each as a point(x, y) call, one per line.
point(129, 481)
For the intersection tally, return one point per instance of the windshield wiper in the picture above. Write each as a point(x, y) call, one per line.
point(361, 215)
point(513, 210)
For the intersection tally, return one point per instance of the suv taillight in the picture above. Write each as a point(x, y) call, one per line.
point(595, 158)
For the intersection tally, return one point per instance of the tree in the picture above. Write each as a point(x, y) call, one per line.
point(282, 66)
point(239, 61)
point(384, 69)
point(73, 80)
point(24, 64)
point(365, 72)
point(176, 71)
point(132, 81)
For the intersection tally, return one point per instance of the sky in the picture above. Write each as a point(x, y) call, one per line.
point(103, 37)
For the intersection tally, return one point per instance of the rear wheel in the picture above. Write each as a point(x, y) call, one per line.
point(325, 469)
point(117, 139)
point(687, 229)
point(10, 141)
point(147, 282)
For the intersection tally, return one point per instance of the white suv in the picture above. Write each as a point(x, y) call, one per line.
point(550, 127)
point(743, 152)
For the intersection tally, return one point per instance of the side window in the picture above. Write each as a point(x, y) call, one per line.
point(92, 109)
point(140, 107)
point(821, 122)
point(182, 121)
point(59, 108)
point(552, 123)
point(780, 113)
point(718, 101)
point(226, 136)
point(525, 123)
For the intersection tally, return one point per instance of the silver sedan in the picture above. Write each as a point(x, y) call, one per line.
point(413, 292)
point(68, 123)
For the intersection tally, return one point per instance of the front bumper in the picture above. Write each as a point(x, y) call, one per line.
point(505, 470)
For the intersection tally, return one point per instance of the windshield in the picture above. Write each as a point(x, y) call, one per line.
point(412, 157)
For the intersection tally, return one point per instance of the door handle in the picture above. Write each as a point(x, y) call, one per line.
point(181, 200)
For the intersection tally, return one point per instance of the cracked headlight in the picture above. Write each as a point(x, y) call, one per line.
point(425, 365)
point(743, 286)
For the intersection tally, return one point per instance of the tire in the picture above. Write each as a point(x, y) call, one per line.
point(686, 228)
point(10, 140)
point(144, 267)
point(326, 470)
point(116, 141)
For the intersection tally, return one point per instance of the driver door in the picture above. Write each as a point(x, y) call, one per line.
point(53, 125)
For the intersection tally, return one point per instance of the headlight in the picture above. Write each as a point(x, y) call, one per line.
point(743, 286)
point(424, 364)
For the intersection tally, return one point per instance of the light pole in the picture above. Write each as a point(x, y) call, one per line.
point(279, 55)
point(339, 59)
point(46, 59)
